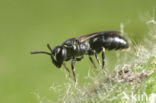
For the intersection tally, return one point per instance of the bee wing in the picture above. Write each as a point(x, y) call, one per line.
point(89, 36)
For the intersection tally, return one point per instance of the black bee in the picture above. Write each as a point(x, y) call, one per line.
point(75, 48)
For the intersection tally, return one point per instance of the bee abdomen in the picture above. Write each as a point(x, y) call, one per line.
point(109, 42)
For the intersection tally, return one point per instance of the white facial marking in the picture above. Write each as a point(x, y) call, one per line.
point(74, 47)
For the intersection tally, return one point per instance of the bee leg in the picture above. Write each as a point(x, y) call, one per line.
point(66, 68)
point(91, 60)
point(96, 56)
point(73, 68)
point(103, 57)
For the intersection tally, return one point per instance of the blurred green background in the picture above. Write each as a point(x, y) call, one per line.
point(27, 25)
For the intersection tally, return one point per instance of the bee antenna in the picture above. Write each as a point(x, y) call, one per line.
point(39, 52)
point(49, 47)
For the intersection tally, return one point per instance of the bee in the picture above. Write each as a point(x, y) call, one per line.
point(74, 49)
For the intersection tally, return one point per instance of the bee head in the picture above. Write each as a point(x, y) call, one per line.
point(57, 54)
